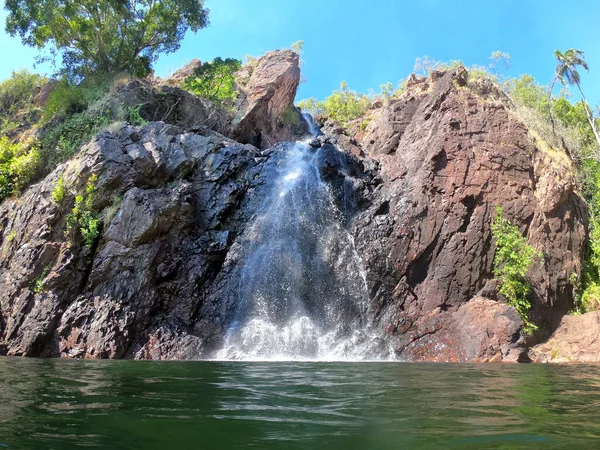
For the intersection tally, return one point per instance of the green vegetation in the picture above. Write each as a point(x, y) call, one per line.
point(215, 81)
point(83, 217)
point(18, 167)
point(342, 106)
point(105, 36)
point(512, 260)
point(59, 191)
point(11, 236)
point(297, 46)
point(133, 116)
point(566, 73)
point(63, 139)
point(16, 99)
point(37, 285)
point(572, 127)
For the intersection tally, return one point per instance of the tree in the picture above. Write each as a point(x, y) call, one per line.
point(215, 80)
point(566, 73)
point(105, 36)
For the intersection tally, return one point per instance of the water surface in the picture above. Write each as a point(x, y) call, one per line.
point(58, 404)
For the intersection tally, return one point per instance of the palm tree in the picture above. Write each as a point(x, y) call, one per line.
point(566, 73)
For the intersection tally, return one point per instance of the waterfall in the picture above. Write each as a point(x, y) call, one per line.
point(302, 292)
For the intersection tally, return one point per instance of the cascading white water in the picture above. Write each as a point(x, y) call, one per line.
point(302, 293)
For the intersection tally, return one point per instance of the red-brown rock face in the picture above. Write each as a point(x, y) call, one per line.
point(449, 152)
point(265, 109)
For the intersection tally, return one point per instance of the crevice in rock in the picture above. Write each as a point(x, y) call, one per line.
point(469, 202)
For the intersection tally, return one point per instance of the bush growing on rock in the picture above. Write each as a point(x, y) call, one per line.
point(343, 106)
point(215, 81)
point(18, 167)
point(512, 260)
point(83, 217)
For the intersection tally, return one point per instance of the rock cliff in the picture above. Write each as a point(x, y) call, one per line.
point(417, 190)
point(448, 151)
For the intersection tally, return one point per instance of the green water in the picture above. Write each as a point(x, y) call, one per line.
point(57, 404)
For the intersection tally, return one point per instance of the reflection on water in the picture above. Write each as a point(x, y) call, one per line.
point(129, 405)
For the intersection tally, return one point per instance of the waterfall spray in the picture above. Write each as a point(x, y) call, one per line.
point(302, 291)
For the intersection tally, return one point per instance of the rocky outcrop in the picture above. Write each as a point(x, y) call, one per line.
point(265, 109)
point(449, 151)
point(416, 190)
point(575, 340)
point(170, 202)
point(184, 72)
point(480, 330)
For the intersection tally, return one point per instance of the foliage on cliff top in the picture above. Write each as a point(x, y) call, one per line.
point(17, 94)
point(343, 106)
point(106, 36)
point(215, 81)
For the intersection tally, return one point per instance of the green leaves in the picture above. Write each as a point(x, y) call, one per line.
point(215, 81)
point(18, 167)
point(568, 62)
point(83, 216)
point(343, 106)
point(512, 260)
point(106, 36)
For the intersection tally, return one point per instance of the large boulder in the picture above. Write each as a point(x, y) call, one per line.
point(158, 102)
point(480, 330)
point(265, 108)
point(575, 340)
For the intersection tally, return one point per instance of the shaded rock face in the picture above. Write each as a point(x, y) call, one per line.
point(265, 112)
point(176, 200)
point(447, 155)
point(575, 340)
point(416, 191)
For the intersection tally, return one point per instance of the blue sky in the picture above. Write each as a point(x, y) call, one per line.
point(367, 43)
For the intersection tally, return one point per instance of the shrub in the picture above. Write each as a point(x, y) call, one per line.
point(18, 167)
point(62, 139)
point(68, 98)
point(133, 117)
point(37, 285)
point(215, 81)
point(16, 96)
point(590, 299)
point(59, 191)
point(83, 217)
point(512, 260)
